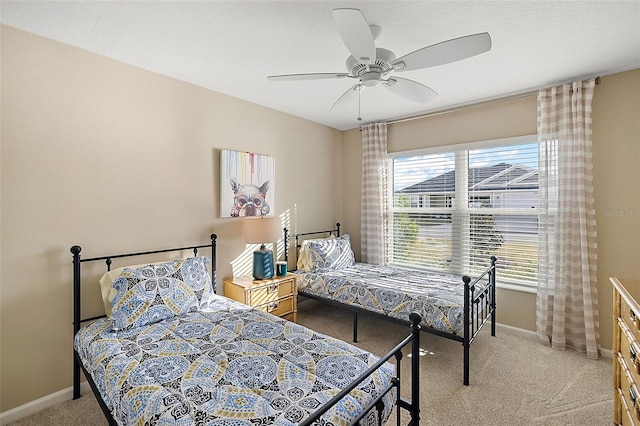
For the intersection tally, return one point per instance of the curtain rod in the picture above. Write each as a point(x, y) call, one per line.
point(464, 107)
point(474, 105)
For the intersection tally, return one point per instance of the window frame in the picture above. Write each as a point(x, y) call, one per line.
point(460, 201)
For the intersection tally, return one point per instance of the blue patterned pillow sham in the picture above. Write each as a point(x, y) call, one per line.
point(150, 293)
point(331, 254)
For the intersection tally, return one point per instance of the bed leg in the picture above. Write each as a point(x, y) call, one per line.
point(355, 326)
point(465, 378)
point(467, 332)
point(416, 319)
point(76, 379)
point(492, 280)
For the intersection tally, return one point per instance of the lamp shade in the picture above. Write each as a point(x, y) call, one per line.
point(260, 231)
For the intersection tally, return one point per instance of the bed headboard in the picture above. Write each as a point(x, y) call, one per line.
point(77, 300)
point(304, 236)
point(77, 260)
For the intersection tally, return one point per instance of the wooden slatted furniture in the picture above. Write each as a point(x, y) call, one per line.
point(277, 295)
point(626, 351)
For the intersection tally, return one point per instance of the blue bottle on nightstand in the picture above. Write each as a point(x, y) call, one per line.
point(262, 264)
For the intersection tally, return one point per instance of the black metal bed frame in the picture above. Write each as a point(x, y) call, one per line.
point(412, 406)
point(479, 302)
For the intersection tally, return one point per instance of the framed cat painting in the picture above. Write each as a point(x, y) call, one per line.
point(247, 184)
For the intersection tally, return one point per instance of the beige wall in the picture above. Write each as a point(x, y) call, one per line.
point(616, 152)
point(115, 158)
point(616, 180)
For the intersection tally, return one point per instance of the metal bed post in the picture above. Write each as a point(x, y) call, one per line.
point(398, 388)
point(416, 319)
point(285, 231)
point(213, 237)
point(467, 333)
point(75, 250)
point(355, 326)
point(492, 282)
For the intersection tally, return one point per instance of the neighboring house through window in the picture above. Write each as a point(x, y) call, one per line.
point(454, 208)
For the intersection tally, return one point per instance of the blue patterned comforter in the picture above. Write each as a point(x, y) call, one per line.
point(227, 365)
point(395, 292)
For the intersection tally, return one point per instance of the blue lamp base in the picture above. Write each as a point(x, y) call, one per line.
point(263, 264)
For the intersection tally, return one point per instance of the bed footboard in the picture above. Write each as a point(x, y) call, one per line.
point(413, 406)
point(479, 306)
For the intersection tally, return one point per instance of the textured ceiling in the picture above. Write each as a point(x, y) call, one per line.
point(231, 47)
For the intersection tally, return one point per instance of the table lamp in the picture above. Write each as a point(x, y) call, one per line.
point(261, 230)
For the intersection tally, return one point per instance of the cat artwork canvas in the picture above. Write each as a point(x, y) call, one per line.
point(247, 184)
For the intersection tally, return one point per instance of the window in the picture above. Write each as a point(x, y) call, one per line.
point(452, 210)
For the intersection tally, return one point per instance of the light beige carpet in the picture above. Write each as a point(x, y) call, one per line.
point(514, 379)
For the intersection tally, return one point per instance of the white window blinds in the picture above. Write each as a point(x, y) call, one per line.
point(452, 211)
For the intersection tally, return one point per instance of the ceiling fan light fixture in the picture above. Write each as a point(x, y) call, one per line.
point(370, 79)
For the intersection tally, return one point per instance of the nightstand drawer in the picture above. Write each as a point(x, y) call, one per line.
point(270, 292)
point(277, 295)
point(626, 351)
point(631, 319)
point(278, 307)
point(630, 350)
point(622, 415)
point(629, 390)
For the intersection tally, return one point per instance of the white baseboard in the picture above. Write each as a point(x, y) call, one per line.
point(40, 404)
point(515, 330)
point(605, 353)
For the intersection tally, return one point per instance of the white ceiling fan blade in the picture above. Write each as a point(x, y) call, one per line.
point(444, 52)
point(356, 34)
point(409, 89)
point(352, 92)
point(311, 76)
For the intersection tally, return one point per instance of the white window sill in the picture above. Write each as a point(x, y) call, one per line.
point(515, 286)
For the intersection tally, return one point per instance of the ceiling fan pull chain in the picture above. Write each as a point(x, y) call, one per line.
point(359, 94)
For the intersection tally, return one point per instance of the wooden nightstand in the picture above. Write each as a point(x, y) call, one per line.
point(277, 295)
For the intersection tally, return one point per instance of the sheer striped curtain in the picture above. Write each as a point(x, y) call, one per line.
point(374, 193)
point(567, 310)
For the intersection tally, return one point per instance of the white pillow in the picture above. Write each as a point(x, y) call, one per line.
point(304, 258)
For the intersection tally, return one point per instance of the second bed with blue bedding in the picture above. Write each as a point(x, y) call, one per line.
point(452, 306)
point(394, 292)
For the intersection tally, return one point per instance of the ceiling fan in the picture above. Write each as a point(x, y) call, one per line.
point(371, 65)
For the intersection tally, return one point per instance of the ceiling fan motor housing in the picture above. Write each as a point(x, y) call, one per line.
point(371, 75)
